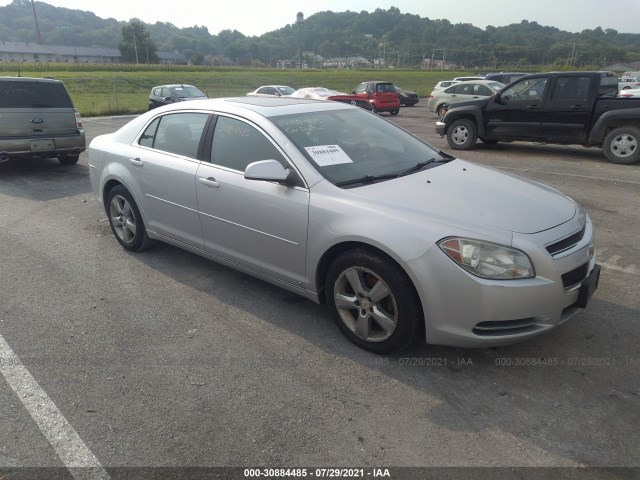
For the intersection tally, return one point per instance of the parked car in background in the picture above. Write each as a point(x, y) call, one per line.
point(625, 83)
point(347, 209)
point(467, 79)
point(38, 120)
point(444, 84)
point(504, 77)
point(168, 94)
point(407, 97)
point(272, 91)
point(628, 93)
point(567, 108)
point(322, 93)
point(461, 92)
point(381, 95)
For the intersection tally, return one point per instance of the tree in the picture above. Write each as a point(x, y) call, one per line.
point(136, 45)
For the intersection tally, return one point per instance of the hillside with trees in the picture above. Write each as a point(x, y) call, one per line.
point(402, 39)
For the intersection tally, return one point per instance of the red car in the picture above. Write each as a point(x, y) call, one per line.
point(382, 96)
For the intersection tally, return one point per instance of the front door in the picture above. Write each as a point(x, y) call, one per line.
point(258, 225)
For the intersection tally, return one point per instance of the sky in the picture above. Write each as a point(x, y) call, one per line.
point(255, 17)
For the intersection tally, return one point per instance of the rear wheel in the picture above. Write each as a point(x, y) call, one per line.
point(126, 221)
point(394, 112)
point(373, 301)
point(68, 159)
point(621, 145)
point(462, 134)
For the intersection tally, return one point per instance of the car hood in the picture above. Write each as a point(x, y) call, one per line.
point(466, 193)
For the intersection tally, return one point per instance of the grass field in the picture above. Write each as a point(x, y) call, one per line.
point(116, 89)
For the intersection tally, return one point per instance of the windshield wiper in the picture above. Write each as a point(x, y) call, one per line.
point(367, 179)
point(420, 165)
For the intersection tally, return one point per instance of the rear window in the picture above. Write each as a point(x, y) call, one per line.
point(21, 94)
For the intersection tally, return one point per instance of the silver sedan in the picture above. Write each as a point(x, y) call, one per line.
point(343, 207)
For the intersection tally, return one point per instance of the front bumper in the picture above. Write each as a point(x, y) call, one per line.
point(441, 128)
point(463, 310)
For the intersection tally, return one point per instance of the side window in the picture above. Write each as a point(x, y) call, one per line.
point(177, 133)
point(525, 90)
point(571, 88)
point(361, 88)
point(463, 89)
point(149, 135)
point(237, 144)
point(482, 90)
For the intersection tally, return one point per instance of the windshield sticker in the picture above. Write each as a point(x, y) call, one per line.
point(325, 155)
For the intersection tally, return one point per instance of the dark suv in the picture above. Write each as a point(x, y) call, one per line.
point(38, 119)
point(168, 94)
point(382, 96)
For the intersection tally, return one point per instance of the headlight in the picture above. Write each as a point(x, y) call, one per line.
point(488, 260)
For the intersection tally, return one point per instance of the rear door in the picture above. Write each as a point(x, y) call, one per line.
point(567, 111)
point(164, 163)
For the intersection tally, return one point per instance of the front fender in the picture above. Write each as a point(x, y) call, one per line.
point(471, 112)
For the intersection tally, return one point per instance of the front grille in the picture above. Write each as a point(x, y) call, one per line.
point(575, 276)
point(506, 327)
point(565, 243)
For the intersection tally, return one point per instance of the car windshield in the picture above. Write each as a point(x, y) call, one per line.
point(186, 91)
point(354, 147)
point(285, 90)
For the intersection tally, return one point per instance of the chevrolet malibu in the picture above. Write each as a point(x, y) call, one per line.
point(343, 207)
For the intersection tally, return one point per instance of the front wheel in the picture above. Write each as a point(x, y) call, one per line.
point(373, 301)
point(462, 134)
point(621, 145)
point(126, 221)
point(394, 112)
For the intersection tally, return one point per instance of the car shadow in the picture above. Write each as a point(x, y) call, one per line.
point(566, 393)
point(43, 179)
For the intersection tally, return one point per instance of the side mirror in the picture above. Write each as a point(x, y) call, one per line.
point(268, 171)
point(498, 99)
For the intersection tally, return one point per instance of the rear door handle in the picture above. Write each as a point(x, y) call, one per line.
point(576, 107)
point(209, 182)
point(136, 161)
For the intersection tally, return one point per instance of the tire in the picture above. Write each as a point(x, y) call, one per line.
point(373, 108)
point(394, 112)
point(462, 134)
point(382, 322)
point(68, 159)
point(125, 220)
point(621, 145)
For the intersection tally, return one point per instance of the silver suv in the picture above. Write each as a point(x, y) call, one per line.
point(38, 119)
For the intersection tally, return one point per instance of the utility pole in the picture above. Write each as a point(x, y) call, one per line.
point(299, 20)
point(35, 19)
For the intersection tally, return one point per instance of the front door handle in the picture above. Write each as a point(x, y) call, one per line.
point(136, 161)
point(533, 107)
point(209, 182)
point(576, 107)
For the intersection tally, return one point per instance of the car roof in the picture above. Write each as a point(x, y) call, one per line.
point(30, 79)
point(174, 85)
point(264, 106)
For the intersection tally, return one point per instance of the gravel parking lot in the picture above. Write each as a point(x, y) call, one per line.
point(113, 360)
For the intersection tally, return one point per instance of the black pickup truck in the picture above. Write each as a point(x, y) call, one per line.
point(579, 108)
